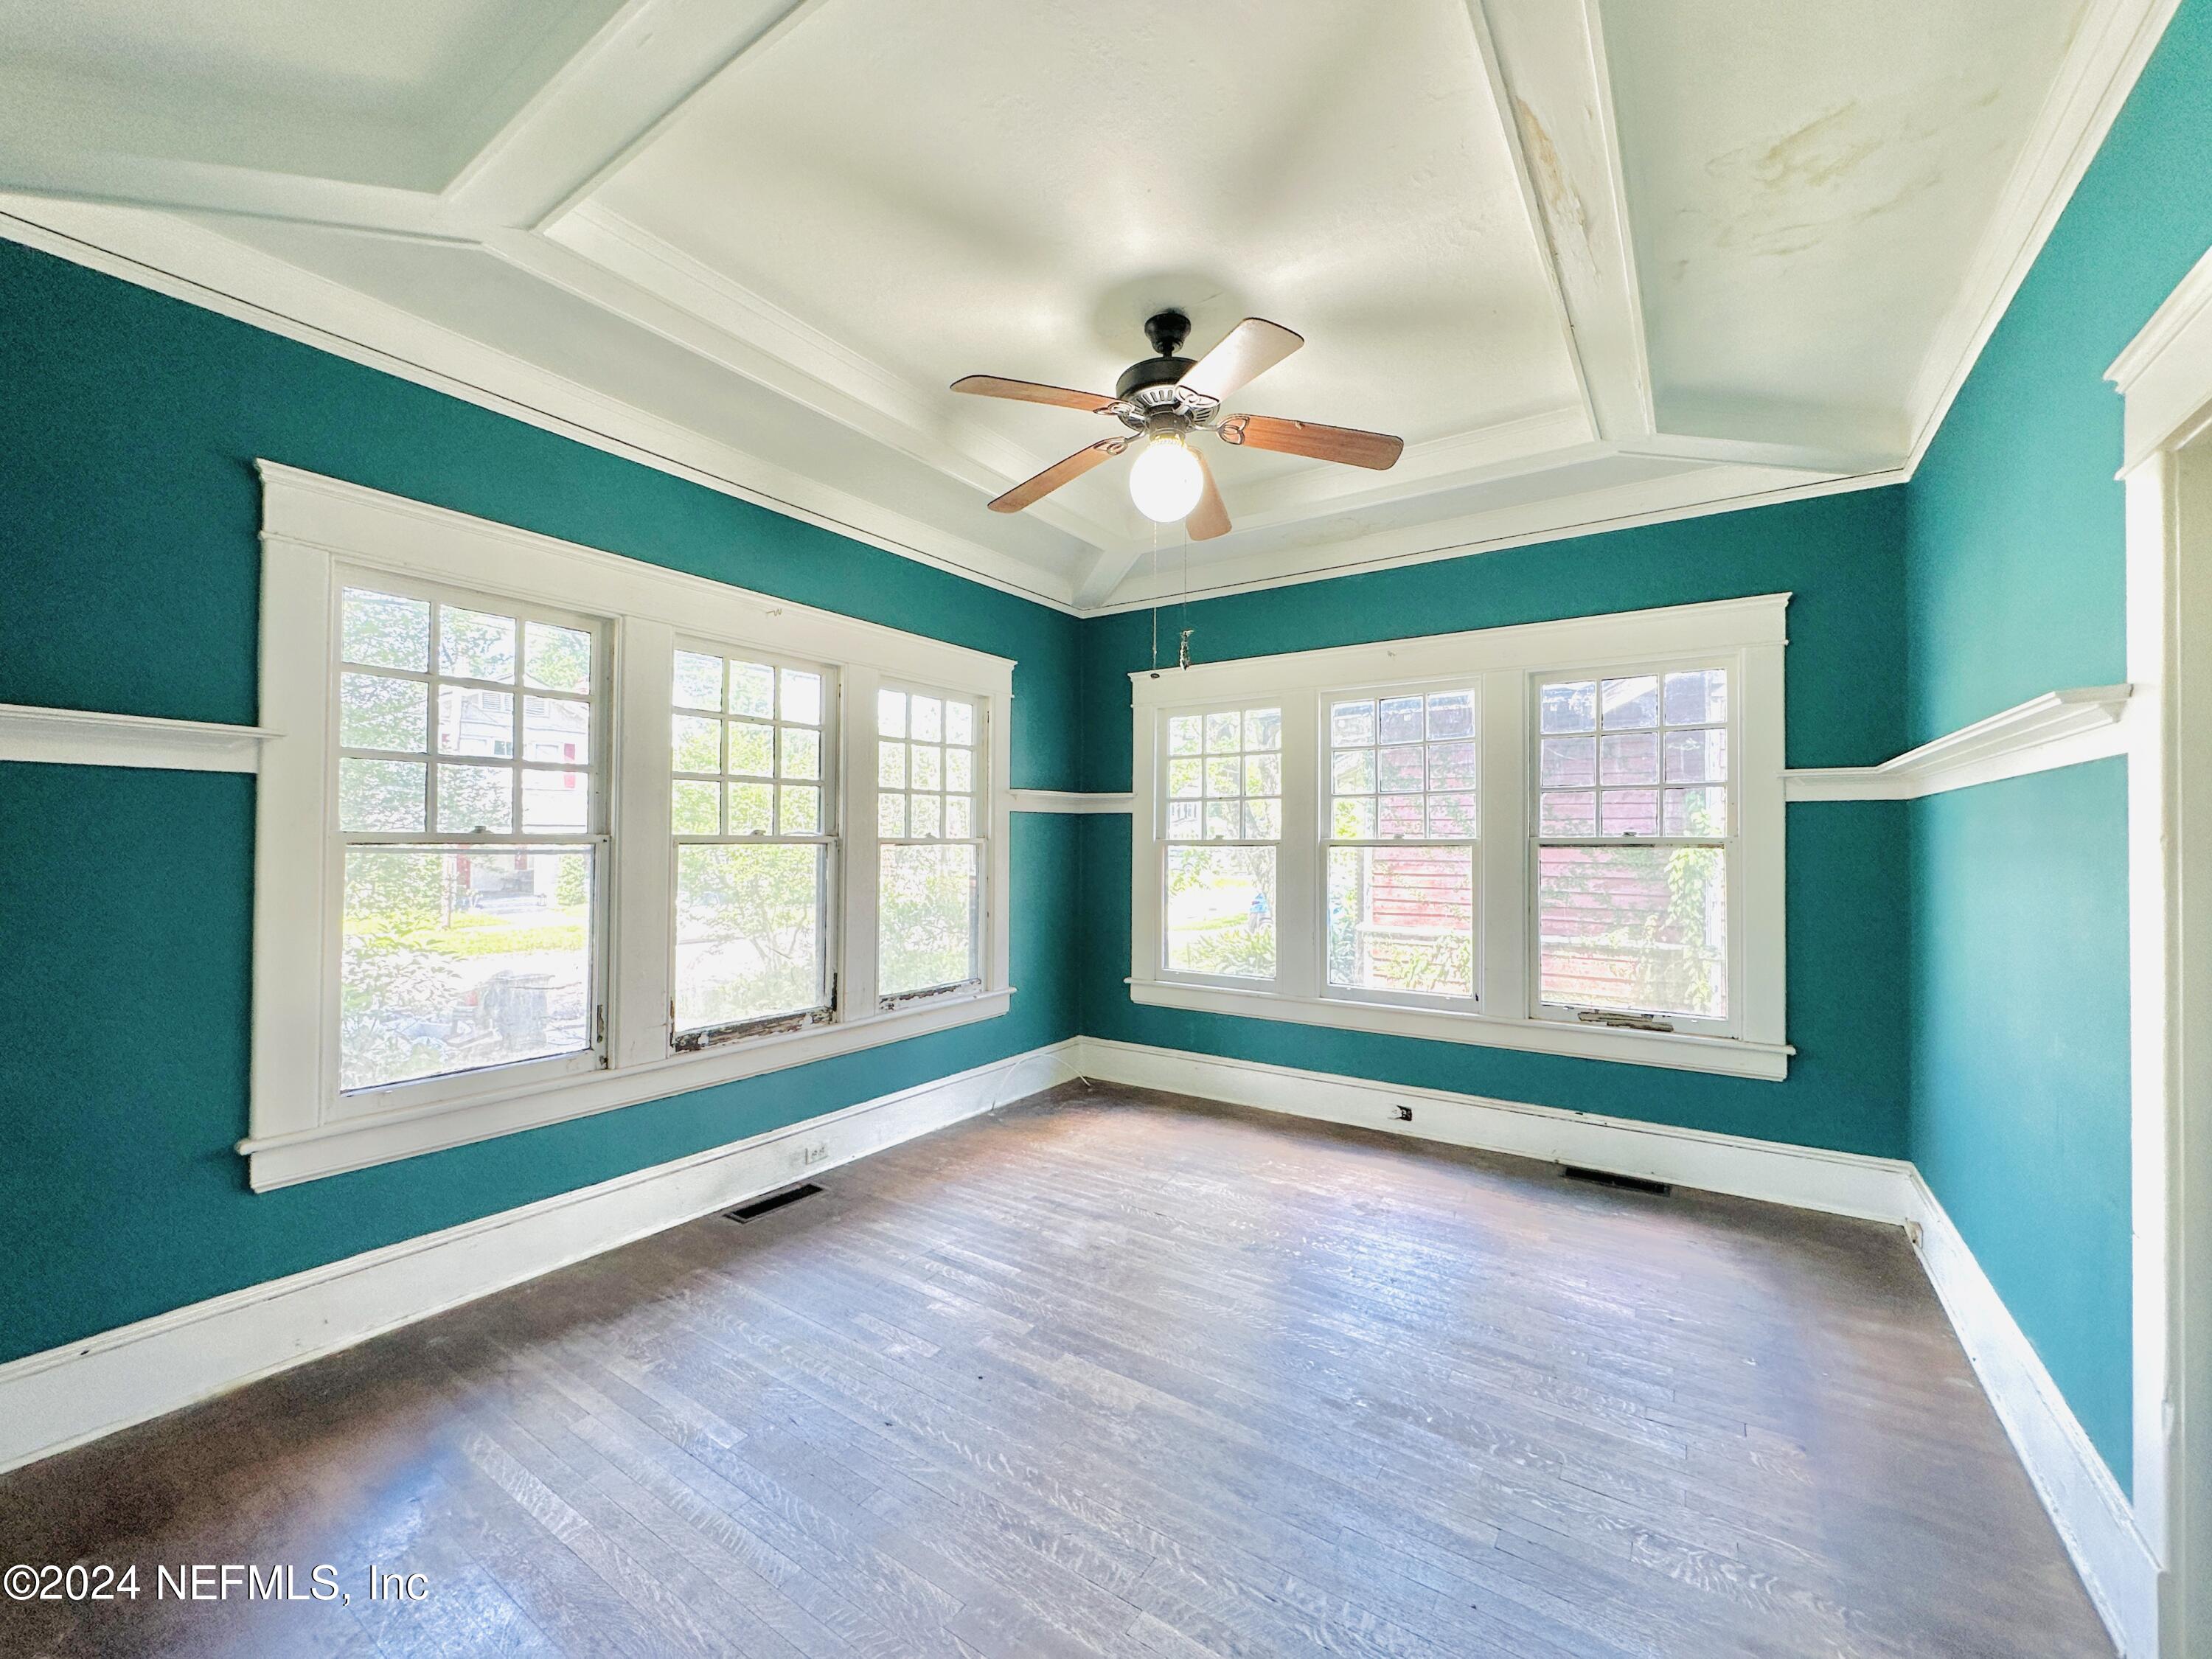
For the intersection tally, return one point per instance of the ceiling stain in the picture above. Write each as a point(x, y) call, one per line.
point(1567, 221)
point(1845, 167)
point(1820, 152)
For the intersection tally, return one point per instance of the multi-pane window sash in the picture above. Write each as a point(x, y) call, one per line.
point(1402, 771)
point(471, 814)
point(1634, 841)
point(930, 816)
point(753, 810)
point(1222, 774)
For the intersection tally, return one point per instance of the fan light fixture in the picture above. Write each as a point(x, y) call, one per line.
point(1167, 400)
point(1166, 481)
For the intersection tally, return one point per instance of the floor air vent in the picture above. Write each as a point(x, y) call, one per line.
point(761, 1206)
point(1606, 1178)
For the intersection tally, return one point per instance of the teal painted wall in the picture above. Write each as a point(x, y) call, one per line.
point(130, 571)
point(1841, 556)
point(2015, 580)
point(2021, 1066)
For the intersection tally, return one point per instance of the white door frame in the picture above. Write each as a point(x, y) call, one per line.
point(2166, 376)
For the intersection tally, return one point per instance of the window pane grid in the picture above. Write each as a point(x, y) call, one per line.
point(750, 812)
point(469, 804)
point(1403, 770)
point(1634, 758)
point(929, 761)
point(929, 767)
point(1633, 829)
point(749, 750)
point(1223, 777)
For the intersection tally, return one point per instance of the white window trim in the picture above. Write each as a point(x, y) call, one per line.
point(313, 528)
point(1747, 634)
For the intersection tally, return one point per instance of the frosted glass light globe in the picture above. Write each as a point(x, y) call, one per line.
point(1166, 482)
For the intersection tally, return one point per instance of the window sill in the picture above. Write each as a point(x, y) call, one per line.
point(1676, 1050)
point(358, 1144)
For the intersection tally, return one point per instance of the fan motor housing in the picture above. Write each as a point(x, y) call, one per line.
point(1151, 372)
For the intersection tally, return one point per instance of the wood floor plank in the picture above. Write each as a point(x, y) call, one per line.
point(1116, 1375)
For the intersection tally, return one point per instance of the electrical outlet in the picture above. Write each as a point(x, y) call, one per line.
point(817, 1153)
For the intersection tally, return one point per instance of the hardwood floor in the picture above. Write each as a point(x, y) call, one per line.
point(1126, 1375)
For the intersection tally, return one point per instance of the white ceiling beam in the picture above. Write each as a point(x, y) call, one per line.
point(657, 289)
point(1111, 566)
point(634, 77)
point(1555, 98)
point(1446, 462)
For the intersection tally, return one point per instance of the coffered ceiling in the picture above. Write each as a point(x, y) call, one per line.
point(1596, 263)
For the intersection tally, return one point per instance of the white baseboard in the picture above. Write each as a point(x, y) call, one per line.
point(1840, 1183)
point(2085, 1502)
point(66, 1396)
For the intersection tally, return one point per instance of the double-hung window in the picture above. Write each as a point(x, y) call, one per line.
point(1223, 826)
point(754, 818)
point(1632, 846)
point(1402, 779)
point(1561, 837)
point(930, 839)
point(469, 833)
point(548, 831)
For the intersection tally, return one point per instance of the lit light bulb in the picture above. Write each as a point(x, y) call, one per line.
point(1167, 480)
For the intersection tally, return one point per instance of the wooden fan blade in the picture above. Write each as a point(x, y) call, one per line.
point(1059, 472)
point(1378, 450)
point(1030, 391)
point(1209, 518)
point(1246, 352)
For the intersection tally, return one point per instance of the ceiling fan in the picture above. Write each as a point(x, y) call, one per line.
point(1168, 399)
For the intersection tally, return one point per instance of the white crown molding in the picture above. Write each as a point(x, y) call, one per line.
point(1549, 80)
point(187, 262)
point(81, 1390)
point(2059, 728)
point(1622, 507)
point(2165, 370)
point(1067, 800)
point(2085, 1504)
point(80, 737)
point(1563, 643)
point(2110, 47)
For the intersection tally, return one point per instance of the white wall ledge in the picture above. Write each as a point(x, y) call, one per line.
point(81, 737)
point(2059, 728)
point(1067, 800)
point(348, 1144)
point(1681, 1051)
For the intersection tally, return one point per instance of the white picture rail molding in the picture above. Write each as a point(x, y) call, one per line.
point(1068, 800)
point(2059, 728)
point(81, 737)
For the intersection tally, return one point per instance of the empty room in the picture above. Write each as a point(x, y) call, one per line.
point(833, 829)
